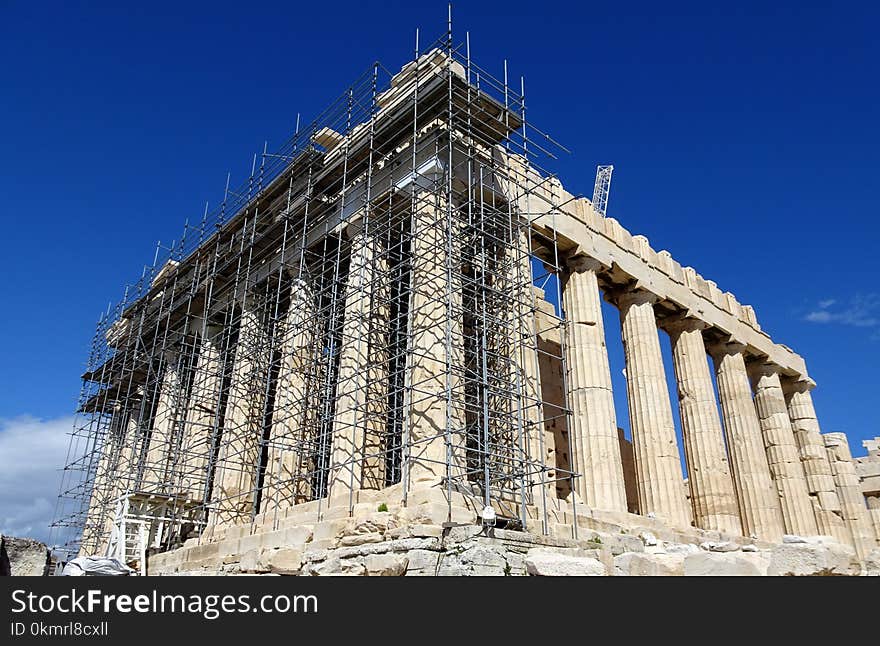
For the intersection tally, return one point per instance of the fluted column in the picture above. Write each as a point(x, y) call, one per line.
point(658, 465)
point(814, 458)
point(873, 503)
point(99, 517)
point(376, 441)
point(239, 455)
point(286, 481)
point(357, 425)
point(202, 415)
point(125, 475)
point(521, 338)
point(855, 511)
point(758, 500)
point(712, 492)
point(782, 451)
point(168, 409)
point(131, 441)
point(435, 354)
point(590, 398)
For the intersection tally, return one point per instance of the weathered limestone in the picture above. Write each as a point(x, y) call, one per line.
point(436, 402)
point(813, 559)
point(782, 452)
point(645, 564)
point(200, 428)
point(359, 423)
point(658, 466)
point(852, 503)
point(286, 480)
point(868, 470)
point(712, 493)
point(239, 455)
point(593, 421)
point(814, 458)
point(873, 503)
point(758, 500)
point(539, 563)
point(726, 564)
point(23, 557)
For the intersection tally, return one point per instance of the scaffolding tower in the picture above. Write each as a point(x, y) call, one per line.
point(371, 292)
point(602, 188)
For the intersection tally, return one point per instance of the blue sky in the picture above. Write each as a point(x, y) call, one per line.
point(744, 138)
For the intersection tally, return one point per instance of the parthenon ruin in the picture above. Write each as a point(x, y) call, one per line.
point(399, 316)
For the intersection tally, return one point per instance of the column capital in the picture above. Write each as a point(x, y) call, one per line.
point(720, 349)
point(246, 299)
point(835, 439)
point(679, 323)
point(355, 225)
point(579, 263)
point(762, 368)
point(633, 295)
point(798, 385)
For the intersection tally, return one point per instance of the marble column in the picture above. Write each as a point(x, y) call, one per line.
point(855, 511)
point(782, 452)
point(131, 442)
point(101, 510)
point(712, 492)
point(287, 480)
point(361, 385)
point(758, 500)
point(239, 454)
point(165, 421)
point(593, 419)
point(434, 438)
point(814, 458)
point(658, 465)
point(873, 503)
point(522, 341)
point(375, 440)
point(202, 414)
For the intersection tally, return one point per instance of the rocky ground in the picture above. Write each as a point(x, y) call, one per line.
point(380, 545)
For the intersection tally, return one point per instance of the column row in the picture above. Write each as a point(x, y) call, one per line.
point(215, 440)
point(760, 469)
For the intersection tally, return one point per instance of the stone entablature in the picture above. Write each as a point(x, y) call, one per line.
point(579, 230)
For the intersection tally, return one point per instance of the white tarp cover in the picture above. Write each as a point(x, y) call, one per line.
point(96, 566)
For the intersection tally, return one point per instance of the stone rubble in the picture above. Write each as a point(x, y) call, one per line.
point(23, 557)
point(385, 544)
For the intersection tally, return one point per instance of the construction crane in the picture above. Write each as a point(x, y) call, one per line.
point(601, 188)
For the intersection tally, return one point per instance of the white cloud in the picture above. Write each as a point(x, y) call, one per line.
point(32, 454)
point(819, 316)
point(862, 310)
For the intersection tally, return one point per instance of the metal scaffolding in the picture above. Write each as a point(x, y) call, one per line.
point(361, 313)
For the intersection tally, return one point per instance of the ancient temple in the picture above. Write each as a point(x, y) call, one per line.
point(396, 324)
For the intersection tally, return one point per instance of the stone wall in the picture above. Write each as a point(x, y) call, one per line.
point(376, 546)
